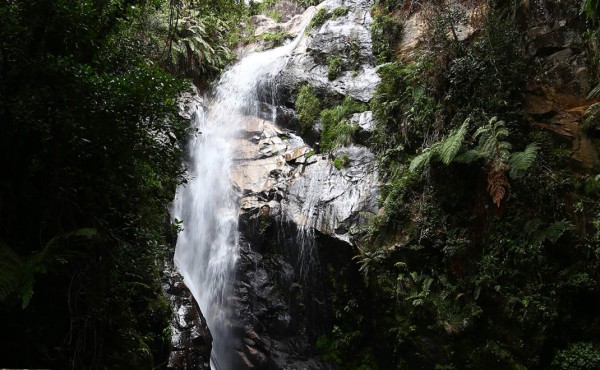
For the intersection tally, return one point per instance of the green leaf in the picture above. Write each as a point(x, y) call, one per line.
point(452, 144)
point(521, 161)
point(594, 93)
point(468, 157)
point(27, 292)
point(421, 160)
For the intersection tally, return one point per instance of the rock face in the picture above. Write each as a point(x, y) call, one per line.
point(555, 99)
point(290, 194)
point(276, 169)
point(298, 210)
point(346, 36)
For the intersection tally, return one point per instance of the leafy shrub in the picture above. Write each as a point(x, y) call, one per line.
point(308, 107)
point(334, 68)
point(385, 32)
point(592, 9)
point(274, 39)
point(273, 14)
point(336, 129)
point(490, 75)
point(403, 107)
point(578, 356)
point(307, 3)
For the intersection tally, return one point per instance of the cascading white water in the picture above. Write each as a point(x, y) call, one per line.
point(206, 249)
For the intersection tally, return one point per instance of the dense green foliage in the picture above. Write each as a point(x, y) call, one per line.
point(91, 155)
point(385, 31)
point(336, 130)
point(308, 107)
point(486, 254)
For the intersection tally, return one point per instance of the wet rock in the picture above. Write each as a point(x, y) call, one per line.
point(326, 198)
point(256, 357)
point(191, 339)
point(278, 305)
point(189, 103)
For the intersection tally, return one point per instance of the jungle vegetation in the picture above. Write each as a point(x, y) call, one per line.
point(90, 157)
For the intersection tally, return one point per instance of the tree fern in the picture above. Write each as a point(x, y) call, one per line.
point(521, 161)
point(491, 142)
point(491, 146)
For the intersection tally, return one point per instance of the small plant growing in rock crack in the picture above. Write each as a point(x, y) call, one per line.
point(341, 161)
point(275, 39)
point(318, 19)
point(335, 68)
point(340, 11)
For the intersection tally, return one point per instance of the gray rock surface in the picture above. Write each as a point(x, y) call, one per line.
point(273, 163)
point(347, 37)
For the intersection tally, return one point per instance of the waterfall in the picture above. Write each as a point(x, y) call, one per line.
point(206, 250)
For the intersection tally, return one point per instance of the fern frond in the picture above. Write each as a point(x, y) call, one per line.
point(521, 161)
point(556, 230)
point(497, 185)
point(500, 131)
point(421, 160)
point(595, 93)
point(450, 146)
point(503, 146)
point(469, 156)
point(481, 131)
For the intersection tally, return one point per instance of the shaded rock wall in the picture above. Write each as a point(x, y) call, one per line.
point(556, 95)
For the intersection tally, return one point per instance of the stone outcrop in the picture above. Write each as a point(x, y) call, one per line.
point(276, 169)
